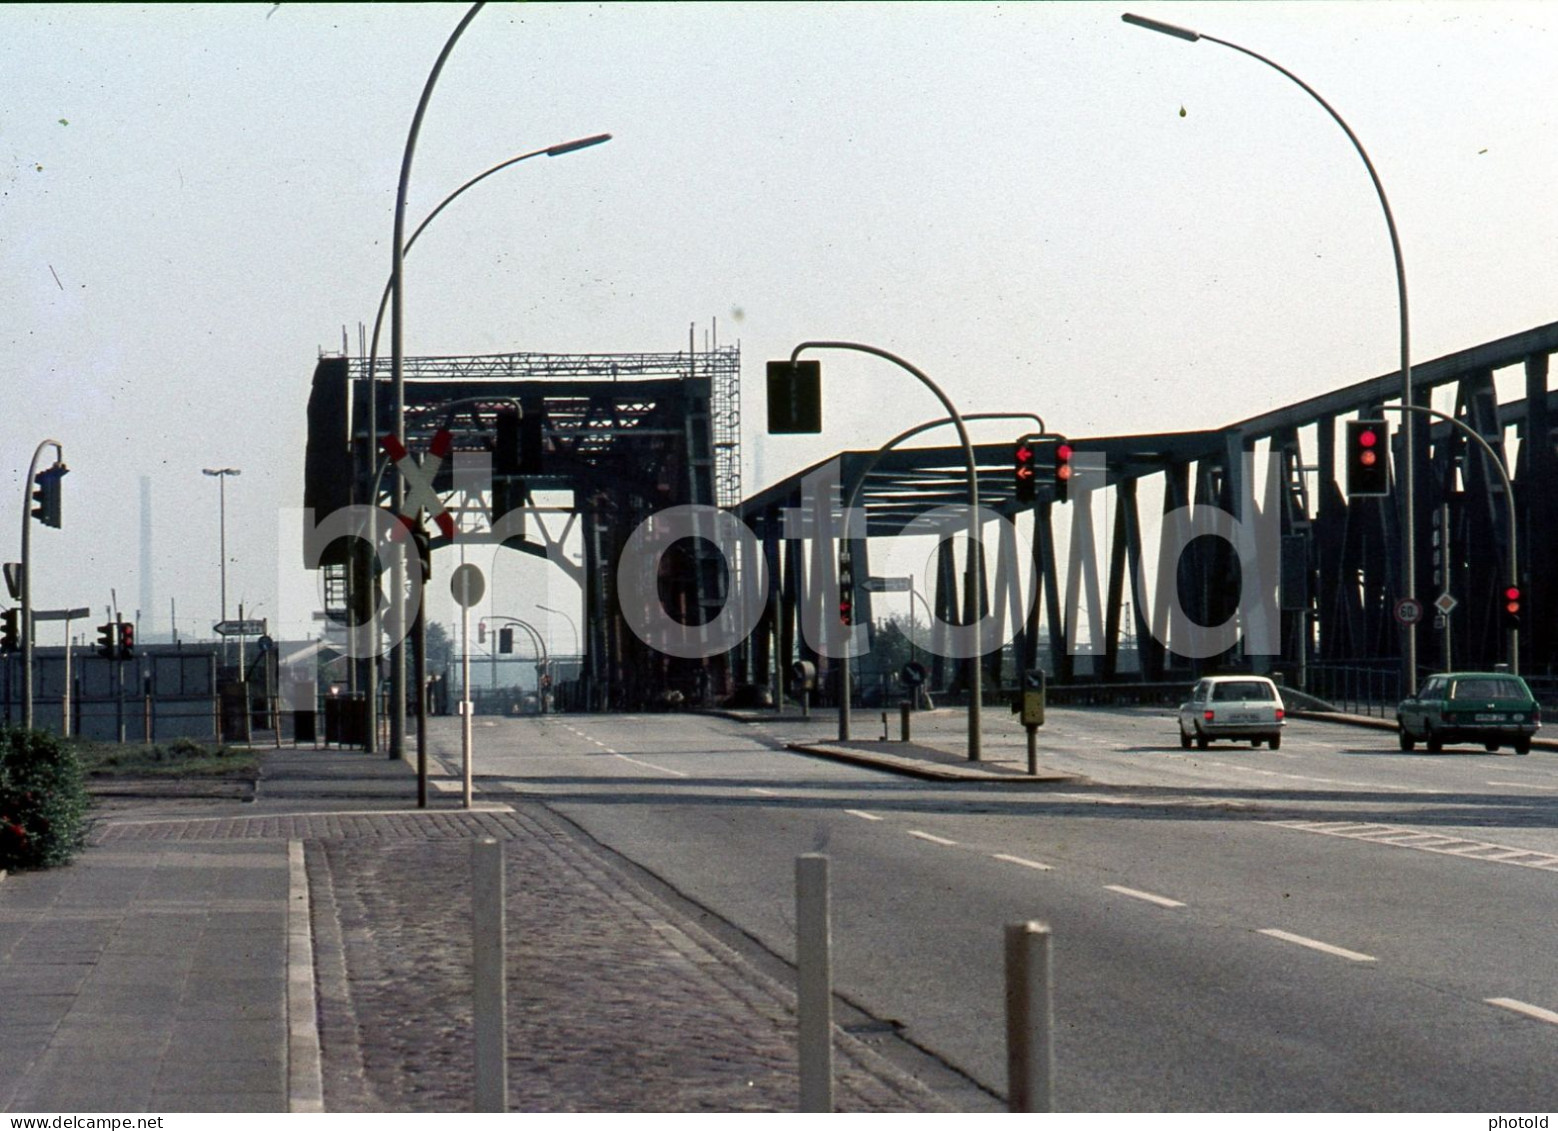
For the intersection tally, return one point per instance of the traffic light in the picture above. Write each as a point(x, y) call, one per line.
point(1368, 472)
point(505, 640)
point(107, 640)
point(532, 443)
point(1052, 465)
point(846, 585)
point(126, 640)
point(10, 636)
point(1510, 610)
point(794, 397)
point(1063, 470)
point(1026, 470)
point(505, 446)
point(47, 495)
point(481, 632)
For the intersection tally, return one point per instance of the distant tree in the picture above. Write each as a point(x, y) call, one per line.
point(440, 647)
point(890, 649)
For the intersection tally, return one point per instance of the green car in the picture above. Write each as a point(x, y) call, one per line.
point(1493, 708)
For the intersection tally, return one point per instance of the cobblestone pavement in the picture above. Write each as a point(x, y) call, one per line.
point(618, 1001)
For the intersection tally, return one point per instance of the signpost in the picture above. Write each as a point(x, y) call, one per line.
point(468, 586)
point(239, 628)
point(66, 615)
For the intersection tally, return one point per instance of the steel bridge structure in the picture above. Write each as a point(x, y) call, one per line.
point(1339, 576)
point(616, 437)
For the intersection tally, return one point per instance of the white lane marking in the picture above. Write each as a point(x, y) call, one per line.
point(1034, 864)
point(1400, 837)
point(764, 792)
point(1521, 1007)
point(444, 785)
point(931, 838)
point(1316, 944)
point(1160, 900)
point(1522, 785)
point(863, 815)
point(650, 765)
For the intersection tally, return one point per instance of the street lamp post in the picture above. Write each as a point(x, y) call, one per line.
point(221, 474)
point(1408, 448)
point(975, 677)
point(397, 378)
point(27, 625)
point(1509, 512)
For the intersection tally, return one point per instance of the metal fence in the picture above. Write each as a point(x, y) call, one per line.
point(1357, 689)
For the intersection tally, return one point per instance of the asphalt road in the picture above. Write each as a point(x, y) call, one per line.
point(1333, 926)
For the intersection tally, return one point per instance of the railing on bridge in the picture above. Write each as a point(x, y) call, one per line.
point(1357, 689)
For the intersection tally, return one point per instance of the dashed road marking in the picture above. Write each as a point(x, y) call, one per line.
point(764, 792)
point(1522, 785)
point(1445, 845)
point(1034, 864)
point(650, 765)
point(1160, 900)
point(1316, 944)
point(931, 837)
point(863, 815)
point(1535, 1011)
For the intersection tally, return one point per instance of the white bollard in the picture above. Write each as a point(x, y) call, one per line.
point(1030, 1056)
point(491, 997)
point(814, 977)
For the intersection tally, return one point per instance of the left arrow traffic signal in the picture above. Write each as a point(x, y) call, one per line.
point(1025, 470)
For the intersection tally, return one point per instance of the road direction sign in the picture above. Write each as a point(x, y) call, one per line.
point(886, 585)
point(239, 628)
point(60, 614)
point(1409, 610)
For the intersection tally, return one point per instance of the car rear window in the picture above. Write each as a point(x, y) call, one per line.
point(1487, 689)
point(1243, 689)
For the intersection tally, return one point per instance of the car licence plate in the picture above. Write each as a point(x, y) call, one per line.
point(1487, 718)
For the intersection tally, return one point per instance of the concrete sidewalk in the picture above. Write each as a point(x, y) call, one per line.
point(309, 950)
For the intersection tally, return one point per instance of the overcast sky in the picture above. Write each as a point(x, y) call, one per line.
point(1042, 207)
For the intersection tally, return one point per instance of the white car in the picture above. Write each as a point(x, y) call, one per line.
point(1239, 708)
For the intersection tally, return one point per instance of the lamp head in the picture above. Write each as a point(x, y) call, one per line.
point(1160, 26)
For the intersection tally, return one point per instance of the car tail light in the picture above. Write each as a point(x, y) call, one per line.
point(1536, 714)
point(1280, 714)
point(1209, 715)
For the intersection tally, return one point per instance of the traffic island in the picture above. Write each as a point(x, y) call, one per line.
point(929, 763)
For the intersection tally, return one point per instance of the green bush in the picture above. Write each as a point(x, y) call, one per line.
point(43, 801)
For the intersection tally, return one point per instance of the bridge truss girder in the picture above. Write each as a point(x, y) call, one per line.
point(1340, 559)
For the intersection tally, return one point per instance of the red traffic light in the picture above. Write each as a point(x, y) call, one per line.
point(1512, 599)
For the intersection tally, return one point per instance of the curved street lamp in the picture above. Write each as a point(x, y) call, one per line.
point(975, 677)
point(1408, 485)
point(571, 625)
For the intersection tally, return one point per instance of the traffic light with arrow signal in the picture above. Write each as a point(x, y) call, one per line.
point(1026, 470)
